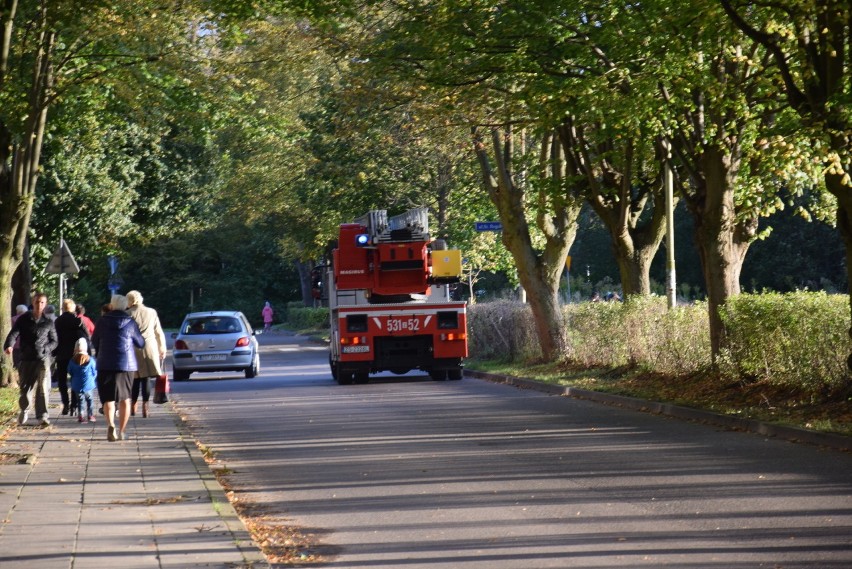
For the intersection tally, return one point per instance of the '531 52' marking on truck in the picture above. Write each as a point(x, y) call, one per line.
point(408, 324)
point(403, 324)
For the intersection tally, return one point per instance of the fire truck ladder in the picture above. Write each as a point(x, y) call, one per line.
point(413, 225)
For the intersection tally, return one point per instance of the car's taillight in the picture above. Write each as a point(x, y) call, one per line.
point(243, 342)
point(181, 345)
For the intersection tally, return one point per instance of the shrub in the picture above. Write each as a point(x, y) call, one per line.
point(595, 334)
point(683, 346)
point(641, 331)
point(300, 317)
point(293, 305)
point(502, 330)
point(795, 339)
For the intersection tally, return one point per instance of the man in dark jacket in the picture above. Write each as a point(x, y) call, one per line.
point(38, 340)
point(69, 329)
point(115, 339)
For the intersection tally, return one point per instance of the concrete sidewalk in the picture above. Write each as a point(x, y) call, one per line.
point(70, 499)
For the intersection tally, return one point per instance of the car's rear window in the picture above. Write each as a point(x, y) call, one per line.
point(211, 325)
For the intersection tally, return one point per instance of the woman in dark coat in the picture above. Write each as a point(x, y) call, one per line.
point(69, 329)
point(115, 339)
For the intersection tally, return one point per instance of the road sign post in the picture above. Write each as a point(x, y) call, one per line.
point(115, 281)
point(61, 263)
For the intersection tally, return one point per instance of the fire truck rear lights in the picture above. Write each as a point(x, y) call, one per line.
point(362, 239)
point(454, 336)
point(353, 340)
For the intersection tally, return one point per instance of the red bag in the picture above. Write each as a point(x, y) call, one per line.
point(161, 389)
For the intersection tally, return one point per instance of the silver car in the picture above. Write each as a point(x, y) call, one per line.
point(215, 341)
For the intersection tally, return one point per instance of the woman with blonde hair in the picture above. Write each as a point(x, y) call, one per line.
point(150, 358)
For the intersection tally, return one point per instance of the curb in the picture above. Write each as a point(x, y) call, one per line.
point(792, 434)
point(252, 555)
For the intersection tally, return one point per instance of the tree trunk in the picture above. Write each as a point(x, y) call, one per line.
point(844, 223)
point(539, 269)
point(442, 180)
point(22, 280)
point(634, 266)
point(634, 246)
point(16, 190)
point(543, 298)
point(837, 182)
point(20, 156)
point(636, 242)
point(619, 191)
point(304, 269)
point(722, 240)
point(6, 370)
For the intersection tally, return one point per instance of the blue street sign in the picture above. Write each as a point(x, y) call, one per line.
point(488, 226)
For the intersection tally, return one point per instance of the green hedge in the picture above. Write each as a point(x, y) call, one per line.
point(502, 329)
point(796, 339)
point(641, 331)
point(300, 317)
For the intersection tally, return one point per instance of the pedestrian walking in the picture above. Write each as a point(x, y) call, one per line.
point(84, 370)
point(149, 359)
point(87, 322)
point(38, 340)
point(69, 329)
point(268, 315)
point(115, 339)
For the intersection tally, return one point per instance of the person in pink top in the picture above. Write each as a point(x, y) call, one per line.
point(267, 314)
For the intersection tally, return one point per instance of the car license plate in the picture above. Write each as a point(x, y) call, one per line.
point(212, 357)
point(356, 349)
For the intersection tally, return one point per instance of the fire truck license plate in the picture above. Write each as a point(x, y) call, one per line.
point(403, 324)
point(356, 349)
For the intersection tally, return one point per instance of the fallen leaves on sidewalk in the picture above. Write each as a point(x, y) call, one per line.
point(155, 501)
point(9, 458)
point(281, 542)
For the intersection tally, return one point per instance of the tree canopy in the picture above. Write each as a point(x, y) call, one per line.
point(216, 148)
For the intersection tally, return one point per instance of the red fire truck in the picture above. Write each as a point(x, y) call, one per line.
point(389, 300)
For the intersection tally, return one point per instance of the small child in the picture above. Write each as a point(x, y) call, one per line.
point(83, 370)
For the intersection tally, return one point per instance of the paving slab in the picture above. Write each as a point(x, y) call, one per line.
point(70, 499)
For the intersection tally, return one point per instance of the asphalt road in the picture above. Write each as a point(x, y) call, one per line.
point(406, 472)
